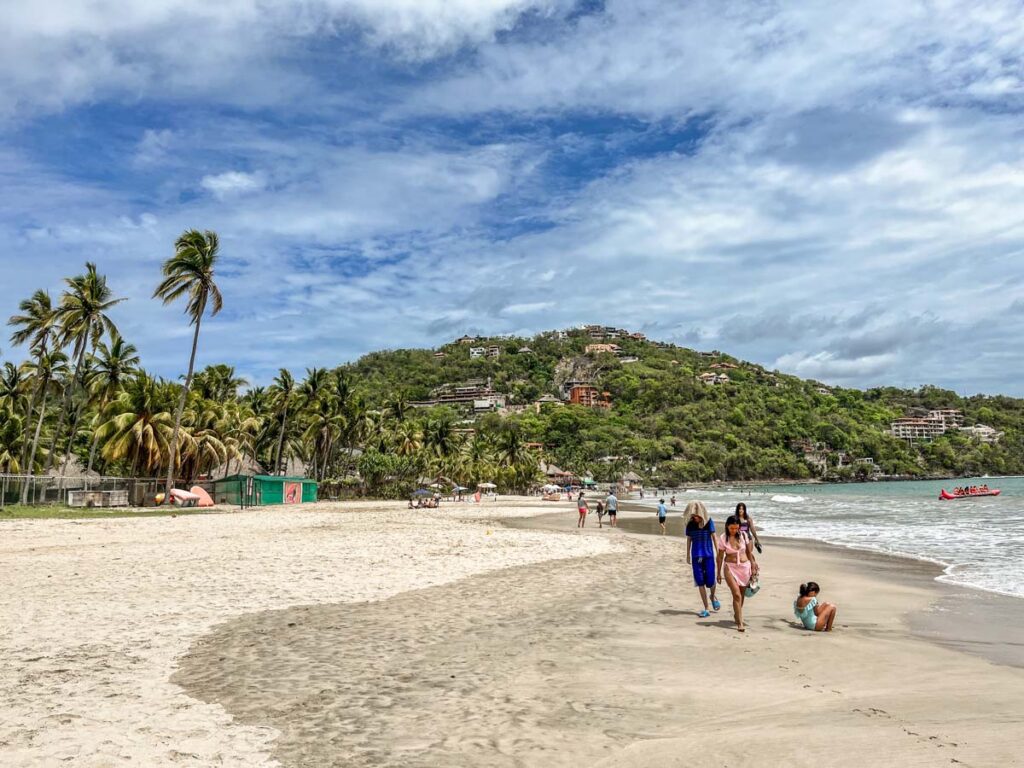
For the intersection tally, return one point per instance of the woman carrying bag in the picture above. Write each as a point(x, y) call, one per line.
point(736, 561)
point(747, 525)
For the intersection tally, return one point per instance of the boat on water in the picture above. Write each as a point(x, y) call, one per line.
point(947, 496)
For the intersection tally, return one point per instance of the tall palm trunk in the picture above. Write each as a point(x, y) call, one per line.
point(35, 441)
point(71, 437)
point(181, 407)
point(95, 444)
point(280, 440)
point(66, 406)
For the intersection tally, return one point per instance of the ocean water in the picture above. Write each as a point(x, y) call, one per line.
point(979, 542)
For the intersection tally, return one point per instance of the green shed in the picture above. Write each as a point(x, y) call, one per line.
point(262, 490)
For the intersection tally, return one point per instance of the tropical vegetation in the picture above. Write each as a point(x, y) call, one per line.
point(373, 426)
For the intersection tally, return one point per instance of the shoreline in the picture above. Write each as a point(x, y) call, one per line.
point(601, 660)
point(494, 634)
point(964, 617)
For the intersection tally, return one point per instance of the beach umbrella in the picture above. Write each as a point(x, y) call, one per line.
point(460, 488)
point(436, 485)
point(486, 485)
point(421, 492)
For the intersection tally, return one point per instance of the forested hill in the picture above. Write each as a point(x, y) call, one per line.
point(668, 425)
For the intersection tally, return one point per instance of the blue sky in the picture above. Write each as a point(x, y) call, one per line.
point(833, 189)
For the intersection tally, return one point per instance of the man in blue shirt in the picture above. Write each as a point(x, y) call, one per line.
point(701, 552)
point(662, 511)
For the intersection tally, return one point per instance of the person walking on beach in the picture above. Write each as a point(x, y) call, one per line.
point(600, 513)
point(815, 616)
point(747, 525)
point(736, 557)
point(581, 506)
point(612, 505)
point(700, 553)
point(662, 512)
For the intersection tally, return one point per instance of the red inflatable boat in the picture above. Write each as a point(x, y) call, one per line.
point(946, 496)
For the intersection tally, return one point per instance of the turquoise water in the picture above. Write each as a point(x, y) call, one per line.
point(910, 488)
point(979, 542)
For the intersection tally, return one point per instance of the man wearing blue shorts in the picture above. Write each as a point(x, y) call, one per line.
point(700, 552)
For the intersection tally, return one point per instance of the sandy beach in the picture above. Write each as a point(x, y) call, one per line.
point(367, 634)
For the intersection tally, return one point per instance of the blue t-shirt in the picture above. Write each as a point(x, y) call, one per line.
point(613, 503)
point(702, 545)
point(662, 511)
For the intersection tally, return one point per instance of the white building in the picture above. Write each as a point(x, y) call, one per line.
point(936, 423)
point(982, 432)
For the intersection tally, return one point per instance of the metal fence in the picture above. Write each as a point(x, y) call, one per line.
point(55, 490)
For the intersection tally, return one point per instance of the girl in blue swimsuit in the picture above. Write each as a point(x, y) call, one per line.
point(812, 614)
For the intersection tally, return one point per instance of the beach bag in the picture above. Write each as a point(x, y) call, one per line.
point(753, 587)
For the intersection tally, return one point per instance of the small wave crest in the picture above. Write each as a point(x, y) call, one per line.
point(785, 498)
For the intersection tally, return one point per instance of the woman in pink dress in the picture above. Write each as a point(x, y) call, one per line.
point(736, 557)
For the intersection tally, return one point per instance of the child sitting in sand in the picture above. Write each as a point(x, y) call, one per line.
point(814, 615)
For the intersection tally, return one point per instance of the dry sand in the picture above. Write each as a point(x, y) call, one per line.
point(320, 638)
point(94, 614)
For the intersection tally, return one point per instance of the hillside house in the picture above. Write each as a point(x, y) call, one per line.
point(711, 379)
point(588, 395)
point(983, 433)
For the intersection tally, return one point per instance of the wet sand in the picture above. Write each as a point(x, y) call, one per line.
point(970, 620)
point(602, 661)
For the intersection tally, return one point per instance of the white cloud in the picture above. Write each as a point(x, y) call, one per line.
point(826, 366)
point(232, 183)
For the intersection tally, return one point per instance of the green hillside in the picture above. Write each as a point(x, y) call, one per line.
point(669, 426)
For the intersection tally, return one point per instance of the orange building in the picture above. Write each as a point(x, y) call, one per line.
point(590, 396)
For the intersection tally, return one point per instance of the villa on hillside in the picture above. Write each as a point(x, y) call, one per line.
point(712, 379)
point(935, 424)
point(983, 433)
point(603, 332)
point(467, 340)
point(597, 349)
point(475, 352)
point(589, 396)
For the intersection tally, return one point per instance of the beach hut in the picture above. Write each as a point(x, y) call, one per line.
point(263, 490)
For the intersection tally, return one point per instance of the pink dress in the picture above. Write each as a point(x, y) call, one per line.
point(740, 572)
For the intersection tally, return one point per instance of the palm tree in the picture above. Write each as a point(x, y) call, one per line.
point(47, 369)
point(12, 387)
point(189, 272)
point(325, 426)
point(138, 426)
point(113, 365)
point(82, 319)
point(35, 327)
point(284, 392)
point(408, 438)
point(12, 435)
point(218, 382)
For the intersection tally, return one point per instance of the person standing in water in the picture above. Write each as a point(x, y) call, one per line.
point(815, 616)
point(747, 525)
point(662, 512)
point(736, 561)
point(611, 505)
point(700, 553)
point(581, 507)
